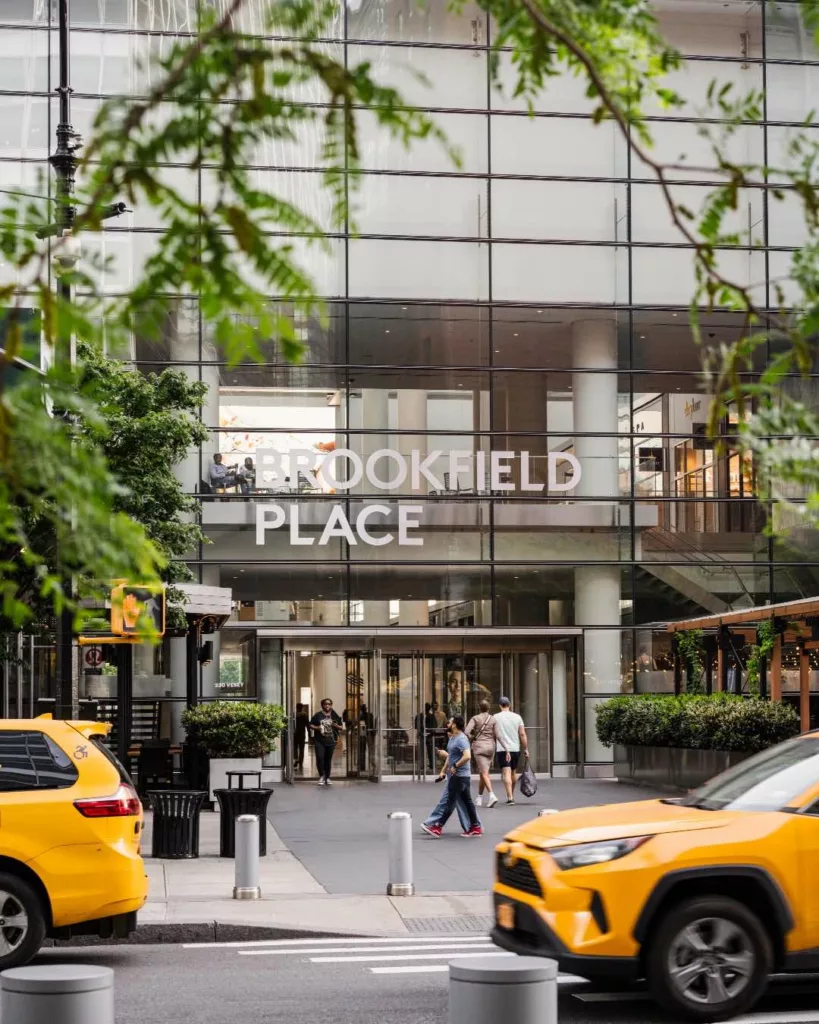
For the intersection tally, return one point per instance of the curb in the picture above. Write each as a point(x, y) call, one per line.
point(200, 931)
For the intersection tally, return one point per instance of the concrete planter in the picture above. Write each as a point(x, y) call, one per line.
point(220, 766)
point(672, 769)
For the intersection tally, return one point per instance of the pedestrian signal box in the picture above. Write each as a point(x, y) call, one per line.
point(138, 610)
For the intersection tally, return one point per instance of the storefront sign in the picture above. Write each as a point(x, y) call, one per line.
point(389, 470)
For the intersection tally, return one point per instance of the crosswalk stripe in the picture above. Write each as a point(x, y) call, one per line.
point(412, 969)
point(366, 949)
point(779, 1017)
point(562, 979)
point(408, 956)
point(357, 940)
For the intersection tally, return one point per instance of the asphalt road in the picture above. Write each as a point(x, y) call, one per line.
point(357, 981)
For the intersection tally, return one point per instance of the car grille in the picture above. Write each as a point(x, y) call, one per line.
point(519, 876)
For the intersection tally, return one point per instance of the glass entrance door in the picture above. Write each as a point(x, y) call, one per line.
point(352, 681)
point(362, 714)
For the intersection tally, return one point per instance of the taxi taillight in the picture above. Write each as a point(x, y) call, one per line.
point(122, 804)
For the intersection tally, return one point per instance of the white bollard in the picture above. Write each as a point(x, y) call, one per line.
point(400, 854)
point(64, 993)
point(486, 989)
point(247, 858)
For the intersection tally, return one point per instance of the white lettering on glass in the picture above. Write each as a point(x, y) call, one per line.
point(386, 469)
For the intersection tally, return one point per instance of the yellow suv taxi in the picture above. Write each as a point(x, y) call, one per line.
point(704, 896)
point(70, 824)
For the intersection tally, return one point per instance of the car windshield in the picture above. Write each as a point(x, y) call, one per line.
point(767, 781)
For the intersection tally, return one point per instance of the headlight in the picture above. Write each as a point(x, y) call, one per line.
point(584, 854)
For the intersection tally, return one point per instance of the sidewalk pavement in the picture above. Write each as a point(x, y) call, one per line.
point(326, 866)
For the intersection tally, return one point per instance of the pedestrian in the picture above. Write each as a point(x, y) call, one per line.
point(326, 726)
point(433, 822)
point(513, 733)
point(301, 731)
point(485, 739)
point(425, 732)
point(457, 768)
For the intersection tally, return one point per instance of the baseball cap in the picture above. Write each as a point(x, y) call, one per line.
point(504, 702)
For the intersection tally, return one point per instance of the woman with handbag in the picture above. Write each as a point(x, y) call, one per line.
point(484, 739)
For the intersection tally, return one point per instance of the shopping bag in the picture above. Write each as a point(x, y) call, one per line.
point(528, 781)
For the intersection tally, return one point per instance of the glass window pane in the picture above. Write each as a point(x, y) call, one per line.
point(388, 204)
point(557, 146)
point(24, 128)
point(410, 22)
point(558, 273)
point(542, 337)
point(23, 60)
point(25, 12)
point(651, 219)
point(464, 132)
point(663, 276)
point(587, 211)
point(427, 76)
point(786, 35)
point(431, 335)
point(732, 29)
point(435, 270)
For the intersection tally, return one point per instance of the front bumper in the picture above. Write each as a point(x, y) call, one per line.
point(531, 936)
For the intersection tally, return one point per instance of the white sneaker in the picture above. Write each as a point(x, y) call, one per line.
point(479, 802)
point(328, 782)
point(320, 782)
point(492, 801)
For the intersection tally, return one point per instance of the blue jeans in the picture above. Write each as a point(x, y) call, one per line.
point(460, 806)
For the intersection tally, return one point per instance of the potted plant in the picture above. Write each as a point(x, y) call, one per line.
point(234, 735)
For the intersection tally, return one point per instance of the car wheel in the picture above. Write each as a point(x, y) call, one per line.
point(22, 922)
point(709, 959)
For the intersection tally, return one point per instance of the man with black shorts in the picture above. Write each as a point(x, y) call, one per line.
point(512, 735)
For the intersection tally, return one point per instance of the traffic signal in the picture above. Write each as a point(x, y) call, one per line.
point(138, 610)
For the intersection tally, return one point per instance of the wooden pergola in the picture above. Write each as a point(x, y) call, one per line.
point(795, 622)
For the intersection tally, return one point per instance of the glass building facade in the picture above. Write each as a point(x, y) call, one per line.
point(491, 472)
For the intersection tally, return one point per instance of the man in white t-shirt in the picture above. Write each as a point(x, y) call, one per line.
point(512, 735)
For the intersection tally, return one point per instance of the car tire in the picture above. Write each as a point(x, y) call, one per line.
point(22, 921)
point(709, 959)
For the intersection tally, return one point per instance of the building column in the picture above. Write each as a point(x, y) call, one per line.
point(211, 577)
point(374, 416)
point(597, 587)
point(412, 415)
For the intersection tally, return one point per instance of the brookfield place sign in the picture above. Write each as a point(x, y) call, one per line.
point(389, 470)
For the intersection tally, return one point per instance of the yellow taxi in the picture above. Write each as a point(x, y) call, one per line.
point(70, 825)
point(703, 896)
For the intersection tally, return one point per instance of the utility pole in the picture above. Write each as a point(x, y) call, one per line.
point(64, 163)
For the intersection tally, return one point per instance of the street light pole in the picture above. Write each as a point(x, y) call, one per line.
point(64, 163)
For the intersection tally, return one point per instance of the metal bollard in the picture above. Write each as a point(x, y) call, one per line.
point(68, 993)
point(400, 854)
point(485, 989)
point(247, 858)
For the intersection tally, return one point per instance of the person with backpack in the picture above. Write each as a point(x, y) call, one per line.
point(485, 740)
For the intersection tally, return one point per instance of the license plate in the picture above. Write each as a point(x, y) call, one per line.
point(506, 915)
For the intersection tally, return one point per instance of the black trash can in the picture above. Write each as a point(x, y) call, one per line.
point(176, 822)
point(232, 803)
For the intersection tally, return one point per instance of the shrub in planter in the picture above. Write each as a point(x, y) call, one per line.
point(234, 729)
point(716, 722)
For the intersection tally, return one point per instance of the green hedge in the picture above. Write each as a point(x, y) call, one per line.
point(717, 722)
point(227, 728)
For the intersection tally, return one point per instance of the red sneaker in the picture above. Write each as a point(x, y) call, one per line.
point(432, 830)
point(476, 830)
